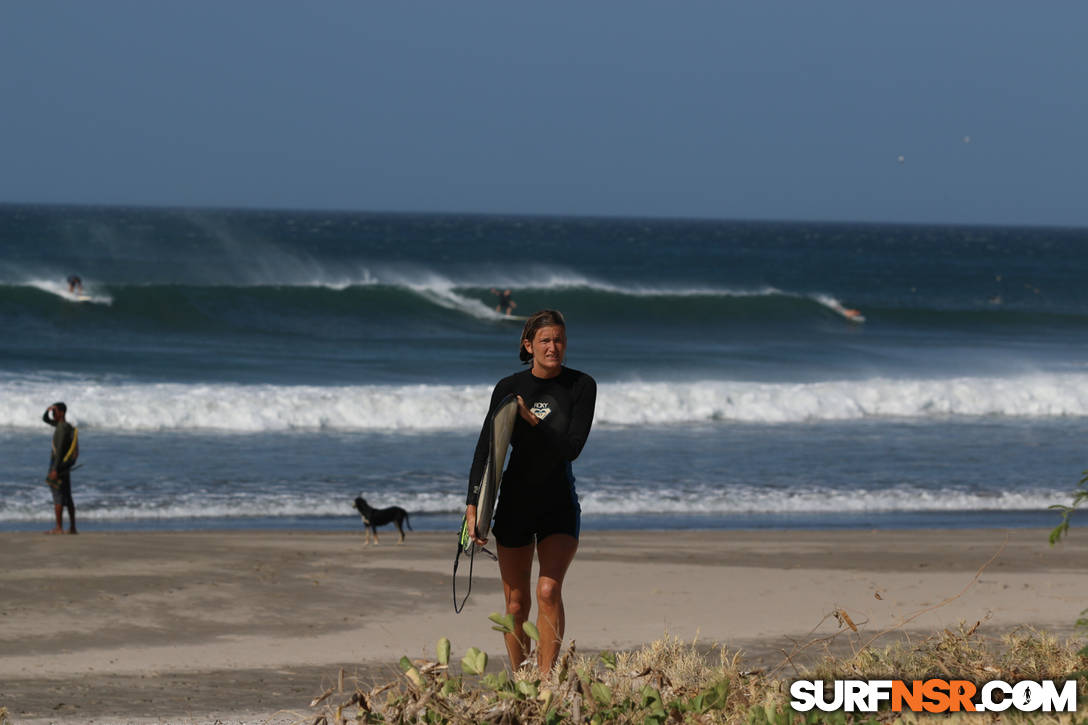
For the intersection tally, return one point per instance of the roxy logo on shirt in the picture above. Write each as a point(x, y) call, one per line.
point(541, 410)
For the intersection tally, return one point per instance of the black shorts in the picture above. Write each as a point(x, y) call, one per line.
point(62, 490)
point(523, 527)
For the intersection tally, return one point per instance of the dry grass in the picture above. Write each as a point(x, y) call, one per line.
point(1024, 654)
point(669, 681)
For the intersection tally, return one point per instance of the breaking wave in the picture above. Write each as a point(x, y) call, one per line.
point(410, 408)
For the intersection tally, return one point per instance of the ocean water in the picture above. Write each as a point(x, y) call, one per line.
point(262, 368)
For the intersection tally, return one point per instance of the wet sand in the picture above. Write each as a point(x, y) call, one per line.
point(197, 627)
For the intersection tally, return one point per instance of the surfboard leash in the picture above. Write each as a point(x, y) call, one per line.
point(465, 544)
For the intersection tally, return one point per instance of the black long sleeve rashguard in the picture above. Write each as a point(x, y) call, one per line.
point(539, 473)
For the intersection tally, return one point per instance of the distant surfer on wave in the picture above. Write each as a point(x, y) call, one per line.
point(506, 304)
point(75, 284)
point(538, 506)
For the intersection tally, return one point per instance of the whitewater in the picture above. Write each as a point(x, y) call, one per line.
point(419, 408)
point(236, 368)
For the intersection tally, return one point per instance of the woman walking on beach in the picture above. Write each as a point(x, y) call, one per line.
point(538, 507)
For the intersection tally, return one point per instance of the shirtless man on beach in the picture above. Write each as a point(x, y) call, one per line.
point(63, 458)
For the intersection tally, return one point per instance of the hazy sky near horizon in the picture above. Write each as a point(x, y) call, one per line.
point(764, 110)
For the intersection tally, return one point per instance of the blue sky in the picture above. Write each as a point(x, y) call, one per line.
point(761, 110)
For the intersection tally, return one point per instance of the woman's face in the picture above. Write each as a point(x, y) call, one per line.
point(548, 347)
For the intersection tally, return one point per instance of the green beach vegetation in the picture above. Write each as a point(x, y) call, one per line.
point(669, 681)
point(1080, 495)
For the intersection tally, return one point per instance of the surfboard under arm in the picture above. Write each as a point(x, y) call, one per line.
point(501, 429)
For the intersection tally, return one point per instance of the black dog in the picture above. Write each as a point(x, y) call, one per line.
point(373, 518)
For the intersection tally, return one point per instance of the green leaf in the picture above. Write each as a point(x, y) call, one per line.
point(527, 688)
point(530, 629)
point(651, 699)
point(601, 692)
point(405, 664)
point(443, 649)
point(757, 716)
point(497, 681)
point(474, 662)
point(413, 675)
point(609, 660)
point(1067, 511)
point(715, 696)
point(504, 622)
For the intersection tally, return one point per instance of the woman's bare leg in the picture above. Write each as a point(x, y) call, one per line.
point(516, 568)
point(556, 553)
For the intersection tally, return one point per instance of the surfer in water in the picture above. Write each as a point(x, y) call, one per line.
point(506, 304)
point(538, 511)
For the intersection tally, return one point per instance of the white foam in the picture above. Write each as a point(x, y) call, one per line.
point(407, 408)
point(450, 291)
point(1020, 397)
point(249, 408)
point(60, 289)
point(596, 500)
point(752, 500)
point(442, 291)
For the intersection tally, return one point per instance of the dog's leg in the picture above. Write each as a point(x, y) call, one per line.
point(401, 530)
point(366, 527)
point(374, 530)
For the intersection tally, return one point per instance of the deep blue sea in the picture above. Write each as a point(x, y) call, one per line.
point(262, 368)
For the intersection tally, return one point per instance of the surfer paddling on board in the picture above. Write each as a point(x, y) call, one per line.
point(538, 509)
point(506, 304)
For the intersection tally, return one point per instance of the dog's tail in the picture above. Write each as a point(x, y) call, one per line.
point(407, 522)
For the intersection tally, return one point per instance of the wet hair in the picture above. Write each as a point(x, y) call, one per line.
point(61, 407)
point(537, 320)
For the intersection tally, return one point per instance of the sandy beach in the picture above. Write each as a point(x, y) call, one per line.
point(247, 626)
